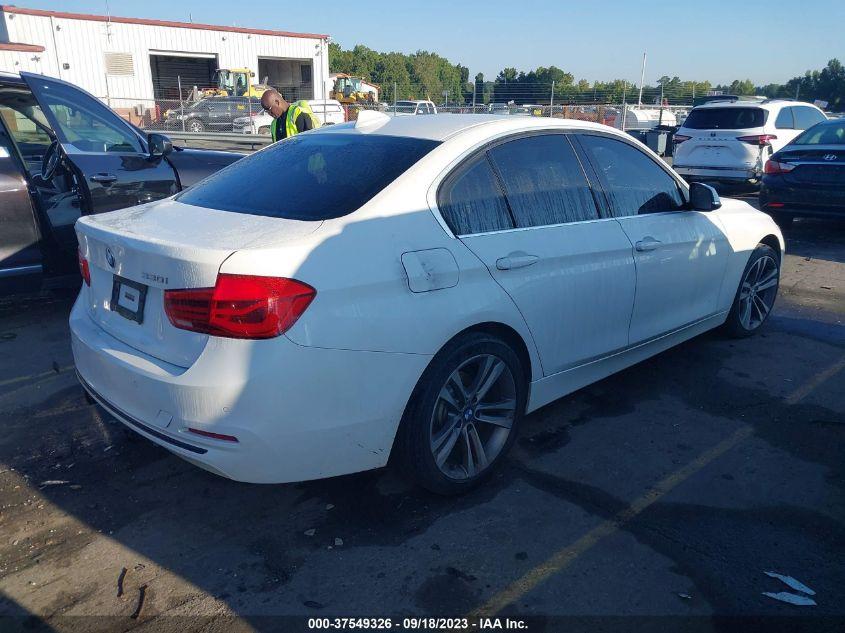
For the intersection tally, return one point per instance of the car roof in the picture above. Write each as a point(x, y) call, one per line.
point(766, 104)
point(440, 127)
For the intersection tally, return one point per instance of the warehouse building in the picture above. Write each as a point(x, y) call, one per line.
point(135, 65)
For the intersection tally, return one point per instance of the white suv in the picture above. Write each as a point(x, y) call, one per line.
point(730, 141)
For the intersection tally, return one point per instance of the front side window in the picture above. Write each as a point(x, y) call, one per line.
point(543, 181)
point(807, 117)
point(471, 200)
point(633, 182)
point(313, 176)
point(82, 122)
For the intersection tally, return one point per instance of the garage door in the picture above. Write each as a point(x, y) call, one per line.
point(169, 69)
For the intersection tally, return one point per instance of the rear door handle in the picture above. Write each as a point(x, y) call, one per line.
point(647, 244)
point(516, 260)
point(103, 179)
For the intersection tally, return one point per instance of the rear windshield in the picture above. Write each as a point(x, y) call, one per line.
point(311, 176)
point(725, 118)
point(823, 134)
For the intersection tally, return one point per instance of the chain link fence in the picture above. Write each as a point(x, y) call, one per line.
point(189, 110)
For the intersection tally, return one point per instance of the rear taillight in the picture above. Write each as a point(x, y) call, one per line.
point(775, 167)
point(680, 138)
point(240, 306)
point(84, 269)
point(758, 139)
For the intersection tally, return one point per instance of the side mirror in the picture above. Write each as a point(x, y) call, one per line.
point(160, 145)
point(703, 197)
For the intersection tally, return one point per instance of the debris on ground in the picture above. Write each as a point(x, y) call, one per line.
point(791, 598)
point(329, 506)
point(313, 604)
point(120, 580)
point(338, 542)
point(791, 582)
point(310, 532)
point(54, 482)
point(685, 596)
point(142, 592)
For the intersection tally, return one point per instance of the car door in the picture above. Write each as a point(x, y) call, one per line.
point(680, 255)
point(220, 113)
point(20, 254)
point(110, 160)
point(525, 207)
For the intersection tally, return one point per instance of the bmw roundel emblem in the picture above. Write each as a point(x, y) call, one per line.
point(110, 257)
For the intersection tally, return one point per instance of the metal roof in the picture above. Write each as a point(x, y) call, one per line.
point(167, 23)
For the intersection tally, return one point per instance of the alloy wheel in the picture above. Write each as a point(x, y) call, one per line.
point(473, 416)
point(758, 291)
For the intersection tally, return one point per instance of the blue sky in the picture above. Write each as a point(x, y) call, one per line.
point(719, 40)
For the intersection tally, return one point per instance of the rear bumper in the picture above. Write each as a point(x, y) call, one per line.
point(804, 201)
point(298, 413)
point(718, 174)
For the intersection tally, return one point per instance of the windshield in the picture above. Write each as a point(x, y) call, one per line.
point(725, 118)
point(310, 176)
point(823, 134)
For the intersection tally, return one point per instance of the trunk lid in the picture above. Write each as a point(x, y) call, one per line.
point(718, 148)
point(822, 165)
point(159, 246)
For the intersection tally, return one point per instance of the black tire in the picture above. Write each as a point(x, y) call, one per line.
point(736, 325)
point(195, 125)
point(413, 451)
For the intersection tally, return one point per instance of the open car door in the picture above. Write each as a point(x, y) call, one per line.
point(111, 162)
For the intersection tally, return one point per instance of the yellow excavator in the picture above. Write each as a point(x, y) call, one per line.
point(234, 82)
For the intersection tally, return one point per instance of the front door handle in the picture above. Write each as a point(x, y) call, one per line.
point(516, 260)
point(103, 178)
point(647, 244)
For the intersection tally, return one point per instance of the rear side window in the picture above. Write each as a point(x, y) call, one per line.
point(633, 182)
point(543, 180)
point(785, 120)
point(312, 176)
point(806, 117)
point(472, 202)
point(725, 118)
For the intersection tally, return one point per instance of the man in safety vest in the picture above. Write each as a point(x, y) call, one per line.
point(288, 118)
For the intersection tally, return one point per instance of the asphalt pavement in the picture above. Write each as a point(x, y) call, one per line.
point(655, 498)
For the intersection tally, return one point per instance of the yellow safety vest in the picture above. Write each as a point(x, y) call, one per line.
point(296, 108)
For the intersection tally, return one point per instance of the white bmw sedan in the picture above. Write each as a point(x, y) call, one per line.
point(405, 286)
